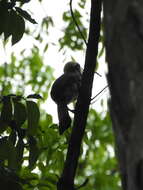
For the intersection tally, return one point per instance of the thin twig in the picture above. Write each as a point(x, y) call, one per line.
point(99, 94)
point(84, 184)
point(74, 19)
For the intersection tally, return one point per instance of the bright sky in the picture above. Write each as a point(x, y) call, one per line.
point(54, 58)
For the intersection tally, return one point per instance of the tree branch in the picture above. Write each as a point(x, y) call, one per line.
point(74, 19)
point(76, 23)
point(82, 107)
point(98, 94)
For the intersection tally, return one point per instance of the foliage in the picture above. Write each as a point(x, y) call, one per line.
point(23, 149)
point(32, 152)
point(13, 18)
point(28, 73)
point(72, 37)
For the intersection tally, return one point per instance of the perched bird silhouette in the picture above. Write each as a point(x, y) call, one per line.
point(64, 91)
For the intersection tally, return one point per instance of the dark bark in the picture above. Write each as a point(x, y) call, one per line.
point(123, 25)
point(66, 182)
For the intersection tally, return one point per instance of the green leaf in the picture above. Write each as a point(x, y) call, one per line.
point(3, 126)
point(101, 51)
point(8, 26)
point(28, 175)
point(3, 17)
point(3, 148)
point(82, 4)
point(20, 114)
point(46, 47)
point(35, 96)
point(12, 137)
point(7, 152)
point(19, 152)
point(49, 119)
point(33, 117)
point(18, 27)
point(33, 152)
point(25, 15)
point(12, 164)
point(6, 113)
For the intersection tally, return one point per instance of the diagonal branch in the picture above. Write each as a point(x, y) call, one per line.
point(99, 93)
point(74, 19)
point(79, 30)
point(66, 182)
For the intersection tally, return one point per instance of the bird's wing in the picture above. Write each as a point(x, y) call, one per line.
point(65, 88)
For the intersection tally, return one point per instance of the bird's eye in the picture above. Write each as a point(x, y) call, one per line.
point(77, 66)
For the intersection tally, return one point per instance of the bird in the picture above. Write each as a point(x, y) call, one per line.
point(65, 90)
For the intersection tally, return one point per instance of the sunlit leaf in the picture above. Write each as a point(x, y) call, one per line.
point(101, 51)
point(82, 3)
point(26, 173)
point(49, 119)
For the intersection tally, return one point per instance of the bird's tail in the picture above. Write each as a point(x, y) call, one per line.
point(64, 118)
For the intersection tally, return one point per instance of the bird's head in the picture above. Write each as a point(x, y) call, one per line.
point(72, 67)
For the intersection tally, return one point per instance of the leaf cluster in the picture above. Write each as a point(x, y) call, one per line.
point(72, 37)
point(12, 20)
point(32, 150)
point(98, 161)
point(19, 120)
point(27, 144)
point(29, 72)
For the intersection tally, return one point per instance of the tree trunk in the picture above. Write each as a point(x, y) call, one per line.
point(66, 181)
point(123, 26)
